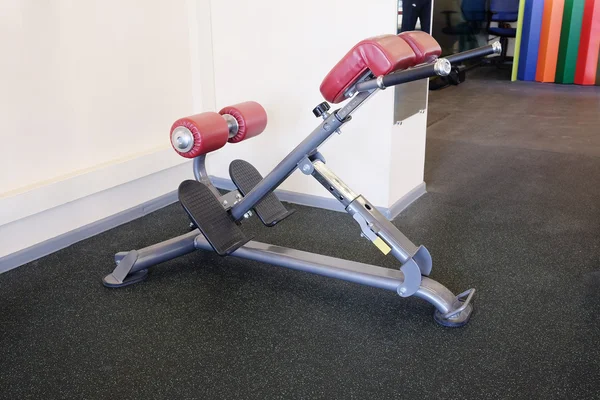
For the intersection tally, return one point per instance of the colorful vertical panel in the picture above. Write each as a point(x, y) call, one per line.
point(549, 40)
point(569, 41)
point(598, 73)
point(517, 54)
point(530, 39)
point(589, 45)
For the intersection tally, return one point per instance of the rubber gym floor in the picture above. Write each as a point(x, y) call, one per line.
point(512, 209)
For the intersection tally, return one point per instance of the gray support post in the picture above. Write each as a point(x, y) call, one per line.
point(357, 206)
point(201, 174)
point(303, 150)
point(286, 166)
point(416, 261)
point(402, 248)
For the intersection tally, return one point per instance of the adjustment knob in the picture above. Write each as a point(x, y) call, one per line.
point(321, 109)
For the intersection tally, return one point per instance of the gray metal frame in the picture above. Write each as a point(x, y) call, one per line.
point(410, 280)
point(307, 147)
point(415, 261)
point(448, 306)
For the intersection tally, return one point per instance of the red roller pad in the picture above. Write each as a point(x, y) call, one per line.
point(381, 54)
point(251, 118)
point(426, 48)
point(210, 132)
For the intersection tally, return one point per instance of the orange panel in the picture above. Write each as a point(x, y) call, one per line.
point(549, 40)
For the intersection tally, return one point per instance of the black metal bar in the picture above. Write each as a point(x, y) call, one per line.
point(409, 75)
point(396, 78)
point(475, 53)
point(426, 71)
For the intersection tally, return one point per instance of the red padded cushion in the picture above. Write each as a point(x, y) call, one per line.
point(381, 54)
point(426, 48)
point(210, 133)
point(251, 118)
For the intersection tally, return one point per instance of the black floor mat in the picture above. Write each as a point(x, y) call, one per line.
point(520, 225)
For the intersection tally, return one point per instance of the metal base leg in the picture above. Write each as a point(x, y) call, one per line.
point(135, 277)
point(132, 267)
point(450, 310)
point(461, 319)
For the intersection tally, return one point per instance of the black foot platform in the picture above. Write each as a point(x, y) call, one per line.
point(270, 210)
point(203, 208)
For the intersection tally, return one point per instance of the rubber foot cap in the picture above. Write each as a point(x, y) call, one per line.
point(455, 322)
point(110, 281)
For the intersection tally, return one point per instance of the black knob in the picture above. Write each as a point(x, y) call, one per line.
point(321, 109)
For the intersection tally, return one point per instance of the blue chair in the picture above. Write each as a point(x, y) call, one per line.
point(474, 16)
point(473, 10)
point(503, 12)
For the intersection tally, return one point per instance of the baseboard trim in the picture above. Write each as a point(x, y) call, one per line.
point(332, 204)
point(43, 196)
point(405, 201)
point(50, 246)
point(310, 200)
point(288, 196)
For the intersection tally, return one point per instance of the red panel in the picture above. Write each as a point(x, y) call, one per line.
point(589, 44)
point(251, 118)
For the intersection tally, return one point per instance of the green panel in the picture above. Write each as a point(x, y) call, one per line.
point(517, 54)
point(598, 73)
point(569, 41)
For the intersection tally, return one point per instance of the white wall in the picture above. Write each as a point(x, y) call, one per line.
point(67, 217)
point(277, 53)
point(90, 90)
point(87, 82)
point(407, 163)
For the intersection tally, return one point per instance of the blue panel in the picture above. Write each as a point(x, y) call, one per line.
point(530, 39)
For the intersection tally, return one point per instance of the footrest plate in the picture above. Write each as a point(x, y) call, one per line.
point(203, 208)
point(270, 210)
